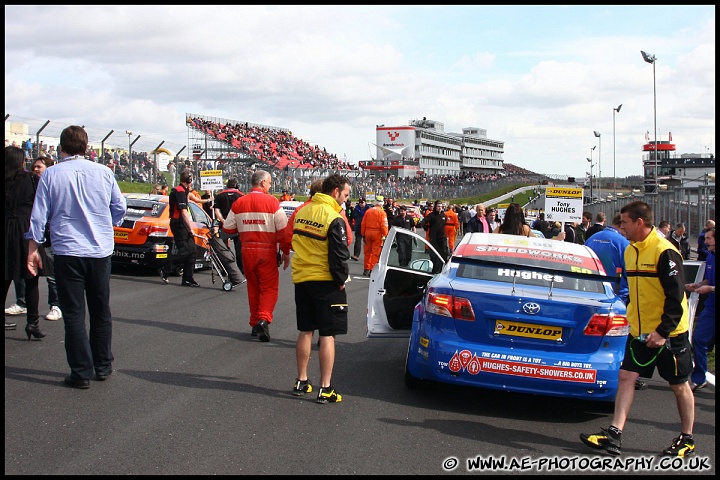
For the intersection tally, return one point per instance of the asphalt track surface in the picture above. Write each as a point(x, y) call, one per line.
point(193, 393)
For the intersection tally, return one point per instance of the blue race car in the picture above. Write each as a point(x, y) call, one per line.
point(506, 312)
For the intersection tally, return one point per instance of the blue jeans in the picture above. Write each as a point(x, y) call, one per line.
point(80, 279)
point(702, 334)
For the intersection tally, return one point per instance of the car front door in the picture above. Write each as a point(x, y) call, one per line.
point(398, 281)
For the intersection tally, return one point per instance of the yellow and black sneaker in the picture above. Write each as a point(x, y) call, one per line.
point(682, 446)
point(302, 387)
point(608, 440)
point(328, 394)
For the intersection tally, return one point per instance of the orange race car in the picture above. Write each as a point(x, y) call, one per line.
point(145, 239)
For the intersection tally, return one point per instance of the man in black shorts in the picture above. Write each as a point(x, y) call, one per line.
point(319, 272)
point(659, 323)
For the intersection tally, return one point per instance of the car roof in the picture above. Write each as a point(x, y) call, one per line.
point(147, 196)
point(528, 251)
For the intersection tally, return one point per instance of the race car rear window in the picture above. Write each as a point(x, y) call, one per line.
point(527, 276)
point(137, 208)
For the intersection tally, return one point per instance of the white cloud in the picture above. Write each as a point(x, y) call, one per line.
point(331, 73)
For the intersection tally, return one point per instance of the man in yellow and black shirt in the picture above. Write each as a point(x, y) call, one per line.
point(658, 318)
point(319, 272)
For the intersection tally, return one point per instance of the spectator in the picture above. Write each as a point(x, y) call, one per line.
point(658, 310)
point(514, 222)
point(38, 168)
point(663, 228)
point(434, 224)
point(19, 197)
point(155, 189)
point(540, 224)
point(262, 224)
point(320, 296)
point(464, 217)
point(358, 212)
point(701, 248)
point(82, 201)
point(679, 239)
point(492, 219)
point(404, 242)
point(609, 245)
point(704, 332)
point(569, 228)
point(479, 222)
point(581, 230)
point(600, 219)
point(374, 229)
point(285, 196)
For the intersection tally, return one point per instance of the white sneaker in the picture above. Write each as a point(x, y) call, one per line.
point(54, 314)
point(15, 310)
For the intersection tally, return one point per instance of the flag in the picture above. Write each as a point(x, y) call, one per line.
point(670, 136)
point(647, 136)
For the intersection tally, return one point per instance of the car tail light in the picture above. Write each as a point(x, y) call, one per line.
point(608, 325)
point(450, 306)
point(154, 231)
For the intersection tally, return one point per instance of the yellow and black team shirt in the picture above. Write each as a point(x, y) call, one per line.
point(320, 242)
point(657, 288)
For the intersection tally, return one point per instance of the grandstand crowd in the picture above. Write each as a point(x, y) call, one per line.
point(293, 163)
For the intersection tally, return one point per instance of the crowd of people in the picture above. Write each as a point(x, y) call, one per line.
point(51, 205)
point(275, 146)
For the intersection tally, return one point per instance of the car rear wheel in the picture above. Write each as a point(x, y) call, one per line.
point(410, 380)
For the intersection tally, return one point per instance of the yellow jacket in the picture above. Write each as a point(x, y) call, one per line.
point(657, 288)
point(320, 242)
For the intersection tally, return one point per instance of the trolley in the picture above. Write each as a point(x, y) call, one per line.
point(222, 260)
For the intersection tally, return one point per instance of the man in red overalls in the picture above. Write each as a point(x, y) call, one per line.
point(262, 224)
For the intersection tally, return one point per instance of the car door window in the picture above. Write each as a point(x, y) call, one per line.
point(198, 215)
point(407, 252)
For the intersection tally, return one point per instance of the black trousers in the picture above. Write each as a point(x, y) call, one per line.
point(81, 279)
point(184, 251)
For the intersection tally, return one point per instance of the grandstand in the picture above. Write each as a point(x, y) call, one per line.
point(219, 139)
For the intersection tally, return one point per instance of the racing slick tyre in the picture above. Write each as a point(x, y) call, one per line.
point(410, 380)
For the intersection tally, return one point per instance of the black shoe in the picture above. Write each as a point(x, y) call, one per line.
point(608, 440)
point(102, 376)
point(33, 330)
point(355, 258)
point(366, 273)
point(682, 446)
point(163, 275)
point(80, 383)
point(262, 329)
point(189, 283)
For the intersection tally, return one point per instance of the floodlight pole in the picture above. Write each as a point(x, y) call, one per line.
point(649, 58)
point(614, 175)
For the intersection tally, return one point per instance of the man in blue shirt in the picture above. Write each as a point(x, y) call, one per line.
point(704, 331)
point(609, 245)
point(82, 201)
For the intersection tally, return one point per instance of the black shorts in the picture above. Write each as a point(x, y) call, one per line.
point(673, 360)
point(321, 306)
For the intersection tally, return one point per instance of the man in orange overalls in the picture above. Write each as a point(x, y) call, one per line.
point(374, 229)
point(452, 225)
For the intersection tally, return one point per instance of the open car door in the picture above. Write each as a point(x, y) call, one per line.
point(397, 283)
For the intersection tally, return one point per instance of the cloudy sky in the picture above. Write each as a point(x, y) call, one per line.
point(540, 79)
